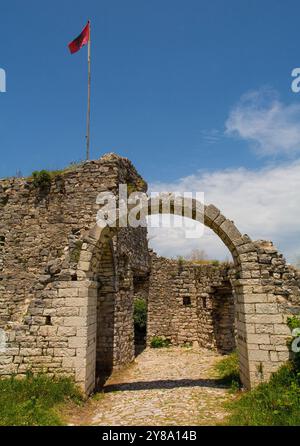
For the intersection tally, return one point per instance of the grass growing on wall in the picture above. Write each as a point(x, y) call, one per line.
point(159, 342)
point(35, 401)
point(42, 178)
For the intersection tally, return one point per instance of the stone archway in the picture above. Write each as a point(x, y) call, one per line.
point(257, 309)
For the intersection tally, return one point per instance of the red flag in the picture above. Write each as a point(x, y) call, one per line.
point(81, 40)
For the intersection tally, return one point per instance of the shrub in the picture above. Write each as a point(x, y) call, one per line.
point(293, 322)
point(159, 342)
point(140, 314)
point(41, 179)
point(180, 261)
point(35, 400)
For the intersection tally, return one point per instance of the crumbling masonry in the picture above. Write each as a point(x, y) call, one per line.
point(67, 286)
point(191, 304)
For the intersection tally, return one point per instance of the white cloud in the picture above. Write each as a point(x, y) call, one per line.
point(264, 204)
point(271, 126)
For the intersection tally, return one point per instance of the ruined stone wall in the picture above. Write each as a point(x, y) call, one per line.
point(277, 296)
point(190, 303)
point(38, 226)
point(209, 318)
point(62, 279)
point(47, 307)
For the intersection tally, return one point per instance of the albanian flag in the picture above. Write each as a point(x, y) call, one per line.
point(81, 40)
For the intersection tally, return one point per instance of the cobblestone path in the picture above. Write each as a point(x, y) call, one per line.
point(170, 386)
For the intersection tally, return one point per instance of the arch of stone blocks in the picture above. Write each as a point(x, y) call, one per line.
point(49, 297)
point(257, 309)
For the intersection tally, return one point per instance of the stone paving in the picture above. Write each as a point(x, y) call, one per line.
point(170, 386)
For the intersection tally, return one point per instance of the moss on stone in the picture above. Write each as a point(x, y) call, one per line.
point(75, 252)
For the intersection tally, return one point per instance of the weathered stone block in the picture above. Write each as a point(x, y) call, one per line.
point(68, 292)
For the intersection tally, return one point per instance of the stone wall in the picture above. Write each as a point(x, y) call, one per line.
point(272, 294)
point(217, 308)
point(278, 297)
point(191, 303)
point(48, 308)
point(67, 286)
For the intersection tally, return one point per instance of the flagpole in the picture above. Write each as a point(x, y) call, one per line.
point(88, 119)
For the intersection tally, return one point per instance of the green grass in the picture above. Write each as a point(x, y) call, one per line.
point(276, 403)
point(42, 178)
point(35, 400)
point(228, 371)
point(159, 342)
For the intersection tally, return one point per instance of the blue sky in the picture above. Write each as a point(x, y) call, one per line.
point(164, 73)
point(169, 79)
